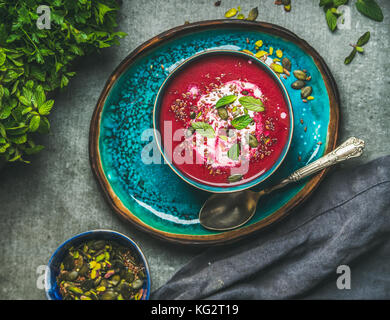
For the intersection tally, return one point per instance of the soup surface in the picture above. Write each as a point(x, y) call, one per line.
point(224, 120)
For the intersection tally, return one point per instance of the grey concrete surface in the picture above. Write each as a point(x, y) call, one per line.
point(55, 197)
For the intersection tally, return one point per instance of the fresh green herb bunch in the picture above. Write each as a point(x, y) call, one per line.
point(35, 62)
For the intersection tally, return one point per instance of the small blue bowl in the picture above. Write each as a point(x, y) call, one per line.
point(51, 287)
point(237, 186)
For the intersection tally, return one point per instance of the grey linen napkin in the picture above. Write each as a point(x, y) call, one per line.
point(345, 222)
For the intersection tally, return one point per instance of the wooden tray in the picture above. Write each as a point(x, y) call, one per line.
point(152, 197)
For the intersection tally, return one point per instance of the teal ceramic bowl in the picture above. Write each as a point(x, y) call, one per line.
point(236, 186)
point(53, 268)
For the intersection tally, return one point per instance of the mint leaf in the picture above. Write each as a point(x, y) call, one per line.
point(363, 39)
point(352, 55)
point(337, 3)
point(370, 9)
point(326, 3)
point(225, 101)
point(24, 100)
point(44, 126)
point(102, 10)
point(251, 103)
point(34, 123)
point(2, 58)
point(331, 19)
point(18, 139)
point(204, 129)
point(2, 131)
point(235, 177)
point(234, 152)
point(39, 96)
point(34, 150)
point(45, 108)
point(4, 147)
point(241, 122)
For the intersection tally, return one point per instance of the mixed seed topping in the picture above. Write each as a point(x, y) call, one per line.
point(101, 270)
point(224, 124)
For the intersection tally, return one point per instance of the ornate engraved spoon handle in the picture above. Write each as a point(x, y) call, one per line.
point(351, 148)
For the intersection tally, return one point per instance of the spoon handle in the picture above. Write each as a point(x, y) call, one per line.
point(351, 148)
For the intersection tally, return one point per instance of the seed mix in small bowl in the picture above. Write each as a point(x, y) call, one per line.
point(100, 270)
point(98, 265)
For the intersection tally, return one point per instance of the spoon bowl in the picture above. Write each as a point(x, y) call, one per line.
point(240, 205)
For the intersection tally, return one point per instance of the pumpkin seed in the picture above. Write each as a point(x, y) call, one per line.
point(78, 263)
point(223, 114)
point(72, 275)
point(115, 279)
point(286, 63)
point(129, 276)
point(109, 295)
point(299, 84)
point(252, 16)
point(306, 91)
point(99, 244)
point(137, 284)
point(88, 284)
point(253, 141)
point(299, 74)
point(68, 262)
point(235, 177)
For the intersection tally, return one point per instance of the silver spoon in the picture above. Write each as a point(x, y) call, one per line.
point(226, 211)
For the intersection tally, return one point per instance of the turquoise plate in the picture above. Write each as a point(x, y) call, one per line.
point(151, 195)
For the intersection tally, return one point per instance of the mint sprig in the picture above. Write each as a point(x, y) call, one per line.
point(358, 47)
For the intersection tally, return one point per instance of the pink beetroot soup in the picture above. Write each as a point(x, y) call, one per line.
point(226, 119)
